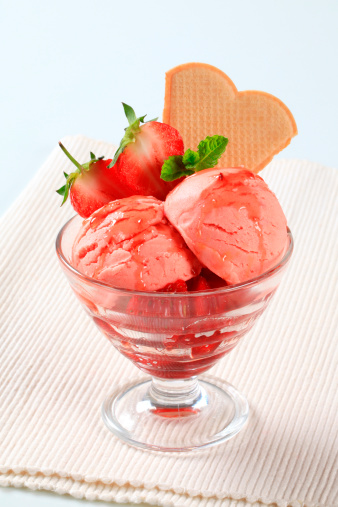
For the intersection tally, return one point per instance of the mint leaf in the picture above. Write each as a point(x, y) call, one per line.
point(210, 150)
point(190, 159)
point(173, 168)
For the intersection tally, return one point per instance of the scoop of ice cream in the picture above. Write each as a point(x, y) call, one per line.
point(130, 244)
point(231, 221)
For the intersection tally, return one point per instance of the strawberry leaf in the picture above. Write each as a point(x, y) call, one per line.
point(64, 191)
point(173, 168)
point(130, 113)
point(92, 161)
point(66, 188)
point(131, 131)
point(129, 137)
point(80, 168)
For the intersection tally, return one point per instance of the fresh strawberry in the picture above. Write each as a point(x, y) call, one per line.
point(196, 346)
point(134, 170)
point(198, 283)
point(204, 350)
point(141, 306)
point(91, 185)
point(178, 286)
point(214, 281)
point(201, 303)
point(142, 152)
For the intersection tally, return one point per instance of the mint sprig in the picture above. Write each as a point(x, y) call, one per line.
point(174, 168)
point(207, 155)
point(131, 131)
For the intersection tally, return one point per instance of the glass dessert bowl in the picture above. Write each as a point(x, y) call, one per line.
point(174, 337)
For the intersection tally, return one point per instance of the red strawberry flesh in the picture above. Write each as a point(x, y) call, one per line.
point(139, 165)
point(94, 188)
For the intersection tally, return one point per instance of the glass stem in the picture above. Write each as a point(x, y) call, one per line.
point(174, 393)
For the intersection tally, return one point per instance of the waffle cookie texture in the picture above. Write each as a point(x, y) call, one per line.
point(200, 101)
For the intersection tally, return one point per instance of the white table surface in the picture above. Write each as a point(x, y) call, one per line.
point(67, 66)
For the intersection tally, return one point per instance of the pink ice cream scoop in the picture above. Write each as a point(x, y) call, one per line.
point(230, 220)
point(130, 244)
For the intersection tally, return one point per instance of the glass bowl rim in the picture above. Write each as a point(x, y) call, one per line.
point(222, 290)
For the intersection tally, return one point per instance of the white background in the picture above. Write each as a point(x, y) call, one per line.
point(67, 65)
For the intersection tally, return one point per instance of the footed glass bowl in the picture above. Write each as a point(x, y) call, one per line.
point(174, 337)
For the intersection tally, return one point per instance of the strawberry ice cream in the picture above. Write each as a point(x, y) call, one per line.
point(231, 221)
point(129, 243)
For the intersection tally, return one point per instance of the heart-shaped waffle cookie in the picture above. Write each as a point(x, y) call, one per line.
point(200, 101)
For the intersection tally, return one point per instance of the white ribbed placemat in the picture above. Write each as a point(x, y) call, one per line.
point(56, 368)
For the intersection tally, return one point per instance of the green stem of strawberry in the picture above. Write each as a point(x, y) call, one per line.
point(72, 159)
point(131, 131)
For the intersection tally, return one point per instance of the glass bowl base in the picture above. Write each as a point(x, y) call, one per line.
point(214, 413)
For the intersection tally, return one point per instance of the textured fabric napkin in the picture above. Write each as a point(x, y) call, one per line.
point(56, 368)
